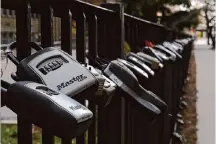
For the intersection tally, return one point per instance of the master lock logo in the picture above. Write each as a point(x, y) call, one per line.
point(71, 81)
point(77, 107)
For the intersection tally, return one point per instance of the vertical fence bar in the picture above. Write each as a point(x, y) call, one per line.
point(128, 108)
point(23, 29)
point(174, 94)
point(142, 33)
point(47, 138)
point(114, 49)
point(24, 130)
point(47, 41)
point(135, 36)
point(128, 122)
point(80, 37)
point(46, 26)
point(103, 40)
point(23, 37)
point(132, 34)
point(80, 52)
point(101, 113)
point(168, 89)
point(92, 29)
point(66, 141)
point(66, 31)
point(101, 37)
point(141, 128)
point(102, 125)
point(127, 33)
point(158, 127)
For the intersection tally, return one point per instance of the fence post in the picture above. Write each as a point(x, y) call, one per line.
point(23, 29)
point(23, 37)
point(114, 29)
point(80, 53)
point(66, 31)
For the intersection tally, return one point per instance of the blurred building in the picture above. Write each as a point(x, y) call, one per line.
point(8, 24)
point(8, 27)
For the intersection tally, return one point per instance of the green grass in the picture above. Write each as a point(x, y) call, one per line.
point(9, 135)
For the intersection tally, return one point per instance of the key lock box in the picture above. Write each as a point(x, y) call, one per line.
point(176, 52)
point(178, 45)
point(172, 81)
point(156, 85)
point(141, 104)
point(173, 45)
point(151, 61)
point(183, 42)
point(133, 58)
point(125, 79)
point(172, 49)
point(109, 86)
point(142, 73)
point(58, 70)
point(143, 59)
point(176, 71)
point(163, 58)
point(172, 57)
point(49, 109)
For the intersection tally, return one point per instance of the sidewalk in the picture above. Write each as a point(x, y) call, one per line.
point(205, 61)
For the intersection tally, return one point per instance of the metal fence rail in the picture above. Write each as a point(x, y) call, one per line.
point(108, 27)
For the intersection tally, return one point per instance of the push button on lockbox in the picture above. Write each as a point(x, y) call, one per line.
point(47, 68)
point(43, 71)
point(51, 66)
point(55, 63)
point(59, 62)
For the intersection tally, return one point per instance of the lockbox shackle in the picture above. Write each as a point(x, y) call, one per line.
point(12, 45)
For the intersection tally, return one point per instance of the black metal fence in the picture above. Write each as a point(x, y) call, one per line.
point(108, 27)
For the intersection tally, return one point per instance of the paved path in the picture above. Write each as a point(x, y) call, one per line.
point(205, 60)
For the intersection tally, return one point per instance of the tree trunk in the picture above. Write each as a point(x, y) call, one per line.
point(207, 27)
point(211, 36)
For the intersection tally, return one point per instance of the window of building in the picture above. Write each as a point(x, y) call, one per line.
point(33, 15)
point(12, 36)
point(38, 16)
point(3, 11)
point(4, 38)
point(10, 13)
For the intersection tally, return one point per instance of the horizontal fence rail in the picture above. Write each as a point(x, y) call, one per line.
point(103, 31)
